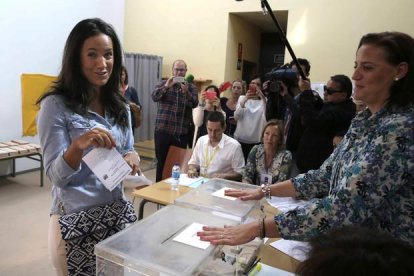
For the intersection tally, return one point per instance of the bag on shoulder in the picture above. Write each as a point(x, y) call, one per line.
point(136, 113)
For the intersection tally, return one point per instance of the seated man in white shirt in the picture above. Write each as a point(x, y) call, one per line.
point(216, 154)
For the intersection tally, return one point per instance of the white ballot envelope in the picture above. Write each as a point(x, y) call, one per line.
point(137, 180)
point(220, 193)
point(108, 165)
point(189, 236)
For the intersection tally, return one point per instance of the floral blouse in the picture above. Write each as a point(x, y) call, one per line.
point(280, 168)
point(367, 181)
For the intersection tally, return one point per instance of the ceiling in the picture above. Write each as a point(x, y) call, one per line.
point(265, 22)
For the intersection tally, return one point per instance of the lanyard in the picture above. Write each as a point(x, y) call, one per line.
point(270, 165)
point(207, 158)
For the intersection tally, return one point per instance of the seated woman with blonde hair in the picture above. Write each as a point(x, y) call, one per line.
point(268, 162)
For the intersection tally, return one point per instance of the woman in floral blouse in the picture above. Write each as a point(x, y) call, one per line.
point(268, 162)
point(369, 178)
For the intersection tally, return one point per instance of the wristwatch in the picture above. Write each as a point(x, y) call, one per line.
point(266, 190)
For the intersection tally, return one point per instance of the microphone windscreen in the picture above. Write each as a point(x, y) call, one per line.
point(189, 78)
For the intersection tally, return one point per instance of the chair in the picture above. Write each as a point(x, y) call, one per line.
point(176, 155)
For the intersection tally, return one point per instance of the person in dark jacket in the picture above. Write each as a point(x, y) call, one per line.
point(320, 127)
point(131, 94)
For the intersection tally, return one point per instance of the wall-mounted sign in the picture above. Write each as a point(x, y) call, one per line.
point(278, 59)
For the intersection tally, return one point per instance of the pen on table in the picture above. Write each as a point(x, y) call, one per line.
point(250, 265)
point(256, 269)
point(256, 261)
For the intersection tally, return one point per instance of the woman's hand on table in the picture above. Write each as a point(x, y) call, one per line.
point(229, 235)
point(253, 194)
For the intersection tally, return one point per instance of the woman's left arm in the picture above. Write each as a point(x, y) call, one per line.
point(375, 190)
point(128, 150)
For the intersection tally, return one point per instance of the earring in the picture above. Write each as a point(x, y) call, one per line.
point(396, 79)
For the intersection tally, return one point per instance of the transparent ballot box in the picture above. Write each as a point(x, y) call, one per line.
point(156, 246)
point(209, 197)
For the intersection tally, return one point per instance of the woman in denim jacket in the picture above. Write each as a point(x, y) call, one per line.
point(83, 110)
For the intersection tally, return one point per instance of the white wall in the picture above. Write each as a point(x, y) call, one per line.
point(326, 32)
point(33, 34)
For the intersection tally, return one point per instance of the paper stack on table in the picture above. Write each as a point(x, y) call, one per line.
point(295, 249)
point(188, 181)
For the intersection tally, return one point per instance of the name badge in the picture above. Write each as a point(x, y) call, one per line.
point(265, 178)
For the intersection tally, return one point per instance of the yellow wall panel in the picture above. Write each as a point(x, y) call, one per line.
point(33, 86)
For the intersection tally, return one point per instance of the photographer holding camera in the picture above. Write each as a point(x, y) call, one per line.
point(321, 126)
point(176, 98)
point(288, 95)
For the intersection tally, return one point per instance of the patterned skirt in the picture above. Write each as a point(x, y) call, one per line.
point(84, 229)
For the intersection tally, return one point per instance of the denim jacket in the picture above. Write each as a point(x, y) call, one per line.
point(75, 190)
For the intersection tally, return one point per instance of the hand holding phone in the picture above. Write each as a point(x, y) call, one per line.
point(179, 79)
point(253, 89)
point(210, 95)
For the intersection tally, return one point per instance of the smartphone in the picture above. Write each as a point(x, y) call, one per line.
point(211, 95)
point(179, 79)
point(252, 88)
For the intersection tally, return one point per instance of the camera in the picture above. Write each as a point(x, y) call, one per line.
point(284, 74)
point(179, 79)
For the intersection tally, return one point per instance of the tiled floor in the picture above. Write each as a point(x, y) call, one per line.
point(24, 216)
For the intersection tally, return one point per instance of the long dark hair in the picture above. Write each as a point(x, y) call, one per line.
point(72, 84)
point(398, 47)
point(357, 251)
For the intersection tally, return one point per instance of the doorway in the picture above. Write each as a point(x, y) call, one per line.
point(249, 70)
point(270, 47)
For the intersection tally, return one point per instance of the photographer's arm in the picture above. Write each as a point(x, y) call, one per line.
point(238, 113)
point(161, 89)
point(263, 98)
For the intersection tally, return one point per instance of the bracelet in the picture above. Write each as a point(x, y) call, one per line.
point(262, 232)
point(266, 190)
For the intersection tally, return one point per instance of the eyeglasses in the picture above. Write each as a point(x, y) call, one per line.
point(180, 69)
point(330, 90)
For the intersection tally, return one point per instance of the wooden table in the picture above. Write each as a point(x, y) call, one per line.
point(276, 258)
point(159, 193)
point(11, 150)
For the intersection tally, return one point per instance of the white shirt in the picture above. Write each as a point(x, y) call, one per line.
point(250, 121)
point(226, 157)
